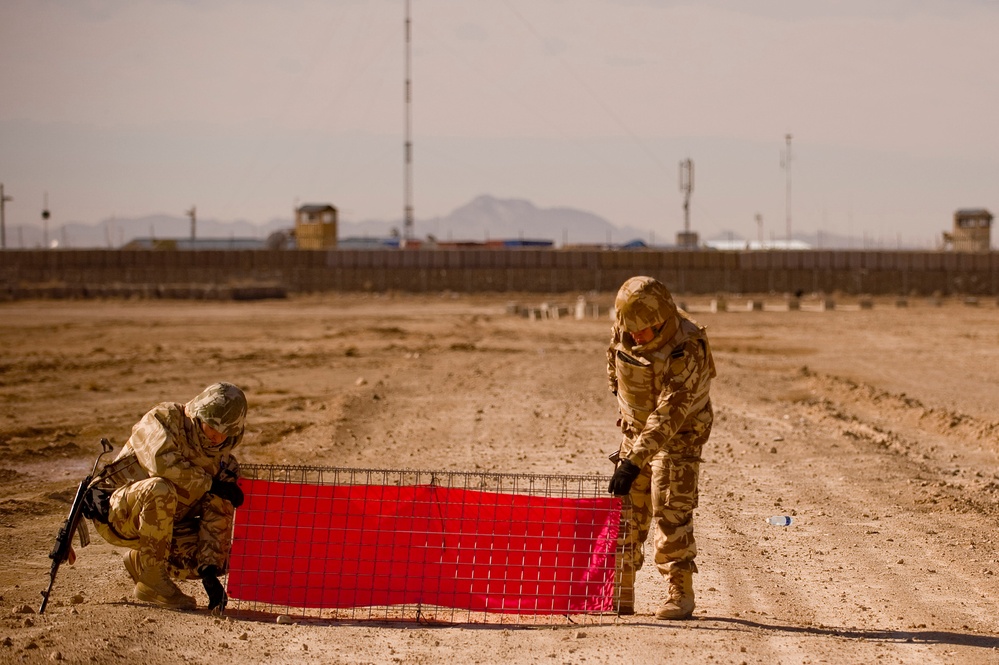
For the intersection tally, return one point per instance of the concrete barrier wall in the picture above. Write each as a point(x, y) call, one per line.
point(542, 271)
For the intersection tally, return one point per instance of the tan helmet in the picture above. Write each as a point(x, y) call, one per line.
point(643, 302)
point(221, 406)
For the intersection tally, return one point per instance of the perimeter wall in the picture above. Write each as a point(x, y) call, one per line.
point(100, 272)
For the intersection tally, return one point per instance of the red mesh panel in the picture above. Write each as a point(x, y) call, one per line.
point(339, 546)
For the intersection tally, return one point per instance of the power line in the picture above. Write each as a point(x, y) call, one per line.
point(596, 98)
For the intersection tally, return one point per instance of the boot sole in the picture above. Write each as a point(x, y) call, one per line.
point(670, 616)
point(144, 593)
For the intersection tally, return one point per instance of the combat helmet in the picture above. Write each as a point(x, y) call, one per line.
point(221, 406)
point(643, 302)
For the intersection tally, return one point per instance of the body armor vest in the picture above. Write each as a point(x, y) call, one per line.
point(641, 376)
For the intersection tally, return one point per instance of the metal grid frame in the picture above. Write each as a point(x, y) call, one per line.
point(548, 486)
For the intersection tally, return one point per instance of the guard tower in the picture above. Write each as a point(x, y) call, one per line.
point(315, 226)
point(972, 231)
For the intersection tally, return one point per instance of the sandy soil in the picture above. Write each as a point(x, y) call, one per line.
point(876, 429)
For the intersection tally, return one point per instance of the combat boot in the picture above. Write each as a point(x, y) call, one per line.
point(132, 564)
point(155, 586)
point(680, 603)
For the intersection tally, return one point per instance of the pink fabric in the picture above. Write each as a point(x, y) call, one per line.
point(336, 546)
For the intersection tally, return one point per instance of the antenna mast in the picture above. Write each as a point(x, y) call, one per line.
point(786, 163)
point(686, 186)
point(408, 146)
point(686, 239)
point(193, 214)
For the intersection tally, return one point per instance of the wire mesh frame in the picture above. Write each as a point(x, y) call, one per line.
point(527, 486)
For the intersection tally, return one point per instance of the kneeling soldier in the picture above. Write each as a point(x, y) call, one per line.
point(171, 493)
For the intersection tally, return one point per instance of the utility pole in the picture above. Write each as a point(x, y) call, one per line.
point(45, 217)
point(407, 212)
point(686, 239)
point(3, 223)
point(686, 186)
point(786, 165)
point(759, 228)
point(193, 214)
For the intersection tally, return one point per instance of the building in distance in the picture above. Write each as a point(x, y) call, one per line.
point(315, 226)
point(972, 231)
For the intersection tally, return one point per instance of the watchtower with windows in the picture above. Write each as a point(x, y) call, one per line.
point(972, 231)
point(315, 226)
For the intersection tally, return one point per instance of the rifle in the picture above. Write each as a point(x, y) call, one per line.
point(62, 551)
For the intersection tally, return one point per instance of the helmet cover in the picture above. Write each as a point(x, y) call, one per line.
point(643, 302)
point(221, 406)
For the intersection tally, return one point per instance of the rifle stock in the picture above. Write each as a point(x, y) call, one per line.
point(62, 550)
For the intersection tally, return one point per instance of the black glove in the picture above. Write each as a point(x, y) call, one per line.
point(228, 491)
point(624, 476)
point(217, 597)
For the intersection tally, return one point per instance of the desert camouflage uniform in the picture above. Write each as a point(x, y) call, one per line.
point(663, 398)
point(161, 505)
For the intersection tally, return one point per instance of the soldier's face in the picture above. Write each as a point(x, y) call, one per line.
point(213, 435)
point(643, 336)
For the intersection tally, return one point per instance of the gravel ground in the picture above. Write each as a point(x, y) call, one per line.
point(875, 429)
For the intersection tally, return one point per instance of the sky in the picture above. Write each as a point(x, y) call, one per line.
point(247, 108)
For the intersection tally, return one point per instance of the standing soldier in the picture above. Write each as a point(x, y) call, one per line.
point(660, 368)
point(171, 493)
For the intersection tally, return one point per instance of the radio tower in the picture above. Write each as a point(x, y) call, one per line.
point(785, 162)
point(686, 238)
point(193, 214)
point(407, 212)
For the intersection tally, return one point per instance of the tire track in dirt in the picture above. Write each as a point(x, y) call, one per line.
point(950, 448)
point(861, 557)
point(890, 557)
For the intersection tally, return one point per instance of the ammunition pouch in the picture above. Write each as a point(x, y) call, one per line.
point(121, 472)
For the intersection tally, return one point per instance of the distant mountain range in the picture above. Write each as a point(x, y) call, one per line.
point(483, 218)
point(488, 218)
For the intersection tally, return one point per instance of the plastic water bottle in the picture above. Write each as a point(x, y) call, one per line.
point(779, 520)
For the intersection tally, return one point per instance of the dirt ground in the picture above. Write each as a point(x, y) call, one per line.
point(877, 430)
